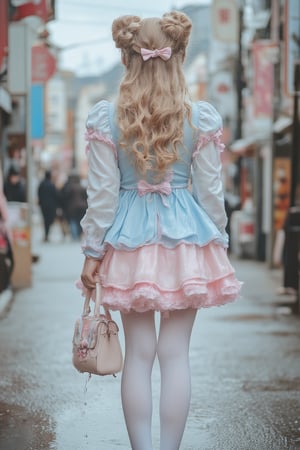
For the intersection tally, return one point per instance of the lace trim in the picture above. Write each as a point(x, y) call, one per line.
point(144, 296)
point(204, 139)
point(94, 135)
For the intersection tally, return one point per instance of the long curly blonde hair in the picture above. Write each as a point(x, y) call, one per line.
point(152, 103)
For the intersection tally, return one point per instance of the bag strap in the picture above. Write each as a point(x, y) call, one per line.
point(86, 306)
point(98, 303)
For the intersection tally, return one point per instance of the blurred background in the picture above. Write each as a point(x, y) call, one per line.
point(57, 59)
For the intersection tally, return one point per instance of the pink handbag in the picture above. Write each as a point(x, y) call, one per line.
point(96, 346)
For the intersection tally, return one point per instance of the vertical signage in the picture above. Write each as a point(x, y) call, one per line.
point(37, 111)
point(3, 35)
point(291, 41)
point(26, 8)
point(263, 60)
point(225, 20)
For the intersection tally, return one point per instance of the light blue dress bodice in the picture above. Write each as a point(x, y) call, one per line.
point(181, 170)
point(132, 219)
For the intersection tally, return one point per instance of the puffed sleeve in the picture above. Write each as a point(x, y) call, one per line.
point(103, 181)
point(207, 184)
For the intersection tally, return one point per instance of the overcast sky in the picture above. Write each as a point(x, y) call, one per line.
point(82, 29)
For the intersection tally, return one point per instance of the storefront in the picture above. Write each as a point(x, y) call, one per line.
point(251, 225)
point(281, 184)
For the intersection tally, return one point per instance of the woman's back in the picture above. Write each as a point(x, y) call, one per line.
point(205, 122)
point(164, 211)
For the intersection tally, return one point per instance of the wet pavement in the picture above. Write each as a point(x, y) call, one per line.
point(245, 360)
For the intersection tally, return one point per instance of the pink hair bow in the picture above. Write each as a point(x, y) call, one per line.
point(163, 53)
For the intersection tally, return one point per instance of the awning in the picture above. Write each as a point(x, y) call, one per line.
point(261, 20)
point(283, 124)
point(248, 144)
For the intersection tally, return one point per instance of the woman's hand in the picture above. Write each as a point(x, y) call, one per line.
point(90, 272)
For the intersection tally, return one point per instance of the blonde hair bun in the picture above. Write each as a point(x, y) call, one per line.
point(177, 26)
point(153, 98)
point(124, 30)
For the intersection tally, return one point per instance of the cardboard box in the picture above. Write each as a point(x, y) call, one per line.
point(21, 244)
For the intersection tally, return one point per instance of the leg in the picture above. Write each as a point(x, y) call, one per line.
point(47, 224)
point(140, 343)
point(73, 229)
point(173, 355)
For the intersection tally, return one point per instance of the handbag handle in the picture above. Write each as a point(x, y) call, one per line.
point(98, 303)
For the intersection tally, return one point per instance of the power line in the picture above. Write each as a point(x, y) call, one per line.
point(107, 7)
point(83, 44)
point(81, 22)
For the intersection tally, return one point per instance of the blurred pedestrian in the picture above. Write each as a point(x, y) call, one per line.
point(14, 186)
point(153, 244)
point(6, 253)
point(60, 211)
point(74, 203)
point(48, 201)
point(61, 216)
point(232, 203)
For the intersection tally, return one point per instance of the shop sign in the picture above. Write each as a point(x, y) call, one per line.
point(25, 8)
point(291, 42)
point(43, 64)
point(225, 20)
point(3, 36)
point(37, 111)
point(263, 61)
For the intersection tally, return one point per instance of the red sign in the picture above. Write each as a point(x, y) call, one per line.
point(291, 43)
point(224, 15)
point(31, 8)
point(3, 35)
point(263, 78)
point(43, 64)
point(225, 20)
point(223, 88)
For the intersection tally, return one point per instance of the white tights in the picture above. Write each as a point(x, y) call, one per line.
point(172, 349)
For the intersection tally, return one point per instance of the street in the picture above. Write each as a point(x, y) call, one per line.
point(244, 360)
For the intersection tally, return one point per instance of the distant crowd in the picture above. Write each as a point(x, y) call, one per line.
point(64, 204)
point(67, 205)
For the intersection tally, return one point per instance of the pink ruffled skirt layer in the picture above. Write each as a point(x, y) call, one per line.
point(157, 278)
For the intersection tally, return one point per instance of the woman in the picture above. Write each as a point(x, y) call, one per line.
point(155, 245)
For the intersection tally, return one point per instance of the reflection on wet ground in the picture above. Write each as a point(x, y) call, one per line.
point(244, 361)
point(21, 429)
point(273, 385)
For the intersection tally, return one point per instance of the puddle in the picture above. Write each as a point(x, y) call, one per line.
point(281, 384)
point(23, 430)
point(247, 317)
point(285, 333)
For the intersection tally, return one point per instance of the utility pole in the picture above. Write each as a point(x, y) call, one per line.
point(239, 76)
point(295, 177)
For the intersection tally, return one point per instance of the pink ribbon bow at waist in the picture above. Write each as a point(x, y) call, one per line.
point(164, 188)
